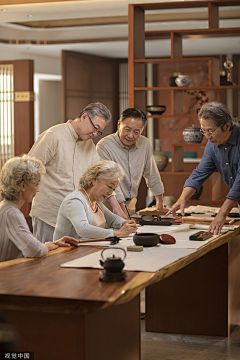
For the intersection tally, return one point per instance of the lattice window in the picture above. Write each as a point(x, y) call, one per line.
point(6, 113)
point(123, 87)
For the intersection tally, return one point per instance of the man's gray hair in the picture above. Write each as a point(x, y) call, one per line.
point(101, 170)
point(97, 109)
point(217, 112)
point(16, 170)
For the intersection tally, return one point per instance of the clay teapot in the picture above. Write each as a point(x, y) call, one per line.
point(113, 264)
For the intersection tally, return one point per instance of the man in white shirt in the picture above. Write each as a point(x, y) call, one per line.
point(66, 150)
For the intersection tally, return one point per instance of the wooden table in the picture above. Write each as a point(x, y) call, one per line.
point(67, 313)
point(56, 311)
point(203, 297)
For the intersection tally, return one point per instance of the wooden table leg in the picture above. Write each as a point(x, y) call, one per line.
point(203, 298)
point(100, 335)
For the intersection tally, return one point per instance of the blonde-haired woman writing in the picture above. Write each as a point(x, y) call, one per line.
point(82, 214)
point(19, 183)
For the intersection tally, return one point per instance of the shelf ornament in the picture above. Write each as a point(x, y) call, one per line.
point(228, 64)
point(160, 157)
point(200, 96)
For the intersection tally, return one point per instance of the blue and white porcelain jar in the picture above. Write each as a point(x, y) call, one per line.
point(192, 134)
point(183, 80)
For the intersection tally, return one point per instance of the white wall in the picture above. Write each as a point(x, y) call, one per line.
point(42, 64)
point(49, 104)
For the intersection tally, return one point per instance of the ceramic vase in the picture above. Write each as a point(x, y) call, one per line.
point(183, 80)
point(192, 134)
point(160, 157)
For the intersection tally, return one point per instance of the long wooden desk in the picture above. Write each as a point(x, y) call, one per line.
point(65, 313)
point(203, 297)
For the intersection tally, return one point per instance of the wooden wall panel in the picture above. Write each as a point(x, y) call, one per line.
point(23, 111)
point(86, 79)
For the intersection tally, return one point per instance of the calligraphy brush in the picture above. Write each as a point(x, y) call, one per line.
point(127, 211)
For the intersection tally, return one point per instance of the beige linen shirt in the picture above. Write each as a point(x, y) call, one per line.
point(136, 162)
point(66, 158)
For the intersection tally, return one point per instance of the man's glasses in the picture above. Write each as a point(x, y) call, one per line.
point(209, 132)
point(96, 129)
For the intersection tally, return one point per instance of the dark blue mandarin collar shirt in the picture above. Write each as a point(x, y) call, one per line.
point(222, 158)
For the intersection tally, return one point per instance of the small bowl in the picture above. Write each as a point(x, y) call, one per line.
point(156, 109)
point(146, 239)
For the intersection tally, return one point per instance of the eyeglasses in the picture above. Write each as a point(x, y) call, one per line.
point(209, 132)
point(96, 129)
point(155, 220)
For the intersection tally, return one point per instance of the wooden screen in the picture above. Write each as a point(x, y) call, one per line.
point(86, 79)
point(6, 113)
point(19, 100)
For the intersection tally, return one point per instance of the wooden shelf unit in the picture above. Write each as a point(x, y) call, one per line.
point(177, 169)
point(137, 60)
point(178, 155)
point(137, 63)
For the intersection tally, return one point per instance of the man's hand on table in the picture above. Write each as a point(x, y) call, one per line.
point(181, 202)
point(217, 224)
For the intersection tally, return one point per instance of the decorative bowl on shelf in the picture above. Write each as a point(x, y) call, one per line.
point(156, 109)
point(192, 134)
point(183, 80)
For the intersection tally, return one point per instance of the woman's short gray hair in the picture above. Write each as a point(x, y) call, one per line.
point(97, 109)
point(14, 171)
point(101, 170)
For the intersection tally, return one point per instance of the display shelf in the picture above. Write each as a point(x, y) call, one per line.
point(173, 116)
point(179, 88)
point(194, 32)
point(177, 168)
point(211, 5)
point(178, 155)
point(137, 58)
point(205, 201)
point(184, 172)
point(137, 65)
point(158, 60)
point(169, 172)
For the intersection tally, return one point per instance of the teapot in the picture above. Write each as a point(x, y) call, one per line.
point(113, 264)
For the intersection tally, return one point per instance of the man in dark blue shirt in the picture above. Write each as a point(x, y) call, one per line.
point(222, 154)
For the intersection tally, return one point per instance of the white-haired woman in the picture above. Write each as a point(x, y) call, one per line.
point(82, 214)
point(19, 183)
